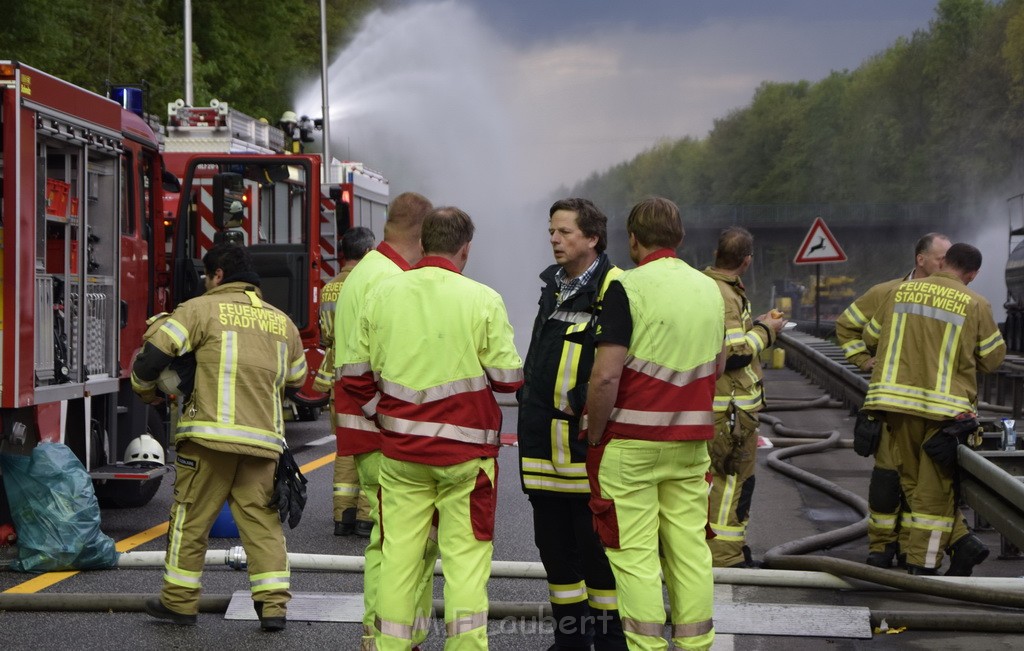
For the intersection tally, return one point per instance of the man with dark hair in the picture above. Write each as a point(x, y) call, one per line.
point(231, 431)
point(933, 337)
point(351, 508)
point(649, 418)
point(552, 458)
point(358, 433)
point(428, 373)
point(739, 395)
point(888, 523)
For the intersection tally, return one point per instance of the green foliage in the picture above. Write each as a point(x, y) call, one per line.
point(251, 53)
point(937, 117)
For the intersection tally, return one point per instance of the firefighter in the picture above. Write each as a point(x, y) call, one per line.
point(231, 432)
point(438, 361)
point(649, 418)
point(933, 336)
point(358, 435)
point(351, 508)
point(888, 527)
point(551, 455)
point(739, 395)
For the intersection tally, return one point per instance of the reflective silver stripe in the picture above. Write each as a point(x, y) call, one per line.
point(990, 343)
point(754, 342)
point(854, 314)
point(370, 408)
point(394, 629)
point(298, 368)
point(564, 594)
point(228, 359)
point(181, 579)
point(665, 374)
point(924, 397)
point(661, 418)
point(439, 392)
point(652, 629)
point(466, 624)
point(178, 333)
point(930, 312)
point(692, 630)
point(951, 339)
point(571, 317)
point(219, 431)
point(566, 485)
point(504, 375)
point(543, 465)
point(271, 580)
point(352, 421)
point(353, 369)
point(439, 430)
point(346, 489)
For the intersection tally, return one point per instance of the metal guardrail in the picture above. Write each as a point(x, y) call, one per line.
point(991, 480)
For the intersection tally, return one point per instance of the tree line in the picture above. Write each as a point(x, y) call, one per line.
point(251, 53)
point(936, 117)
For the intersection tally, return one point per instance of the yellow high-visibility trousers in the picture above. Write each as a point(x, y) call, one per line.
point(368, 467)
point(649, 494)
point(464, 496)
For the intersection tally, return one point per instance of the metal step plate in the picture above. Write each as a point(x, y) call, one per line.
point(305, 607)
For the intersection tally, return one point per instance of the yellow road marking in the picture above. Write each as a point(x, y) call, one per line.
point(48, 579)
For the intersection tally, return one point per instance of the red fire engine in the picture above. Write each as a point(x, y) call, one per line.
point(239, 184)
point(91, 246)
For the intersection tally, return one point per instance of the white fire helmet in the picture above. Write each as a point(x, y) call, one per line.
point(144, 451)
point(169, 381)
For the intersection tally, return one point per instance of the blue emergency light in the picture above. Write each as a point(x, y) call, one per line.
point(129, 97)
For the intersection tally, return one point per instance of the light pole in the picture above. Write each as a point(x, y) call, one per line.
point(325, 174)
point(188, 52)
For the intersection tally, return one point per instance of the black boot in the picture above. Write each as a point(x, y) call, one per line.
point(917, 570)
point(347, 525)
point(269, 624)
point(885, 557)
point(964, 554)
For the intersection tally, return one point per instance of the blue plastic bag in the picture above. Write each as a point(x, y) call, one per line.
point(54, 508)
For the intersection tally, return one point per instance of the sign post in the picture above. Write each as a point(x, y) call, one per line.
point(819, 247)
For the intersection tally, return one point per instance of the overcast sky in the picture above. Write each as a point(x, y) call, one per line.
point(492, 105)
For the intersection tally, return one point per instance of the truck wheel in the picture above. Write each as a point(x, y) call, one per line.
point(126, 493)
point(309, 413)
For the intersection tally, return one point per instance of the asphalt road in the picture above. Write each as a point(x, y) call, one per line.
point(783, 510)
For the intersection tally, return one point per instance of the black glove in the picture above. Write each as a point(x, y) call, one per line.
point(867, 433)
point(289, 496)
point(942, 446)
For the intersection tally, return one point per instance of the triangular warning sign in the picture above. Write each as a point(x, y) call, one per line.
point(819, 246)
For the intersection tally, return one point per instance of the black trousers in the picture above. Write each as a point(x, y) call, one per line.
point(571, 552)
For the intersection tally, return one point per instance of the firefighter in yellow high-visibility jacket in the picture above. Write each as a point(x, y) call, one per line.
point(933, 336)
point(351, 508)
point(438, 361)
point(888, 523)
point(739, 395)
point(357, 433)
point(231, 431)
point(649, 418)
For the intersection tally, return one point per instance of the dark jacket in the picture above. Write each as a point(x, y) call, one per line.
point(557, 368)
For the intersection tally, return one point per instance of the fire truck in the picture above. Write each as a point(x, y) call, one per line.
point(240, 184)
point(104, 222)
